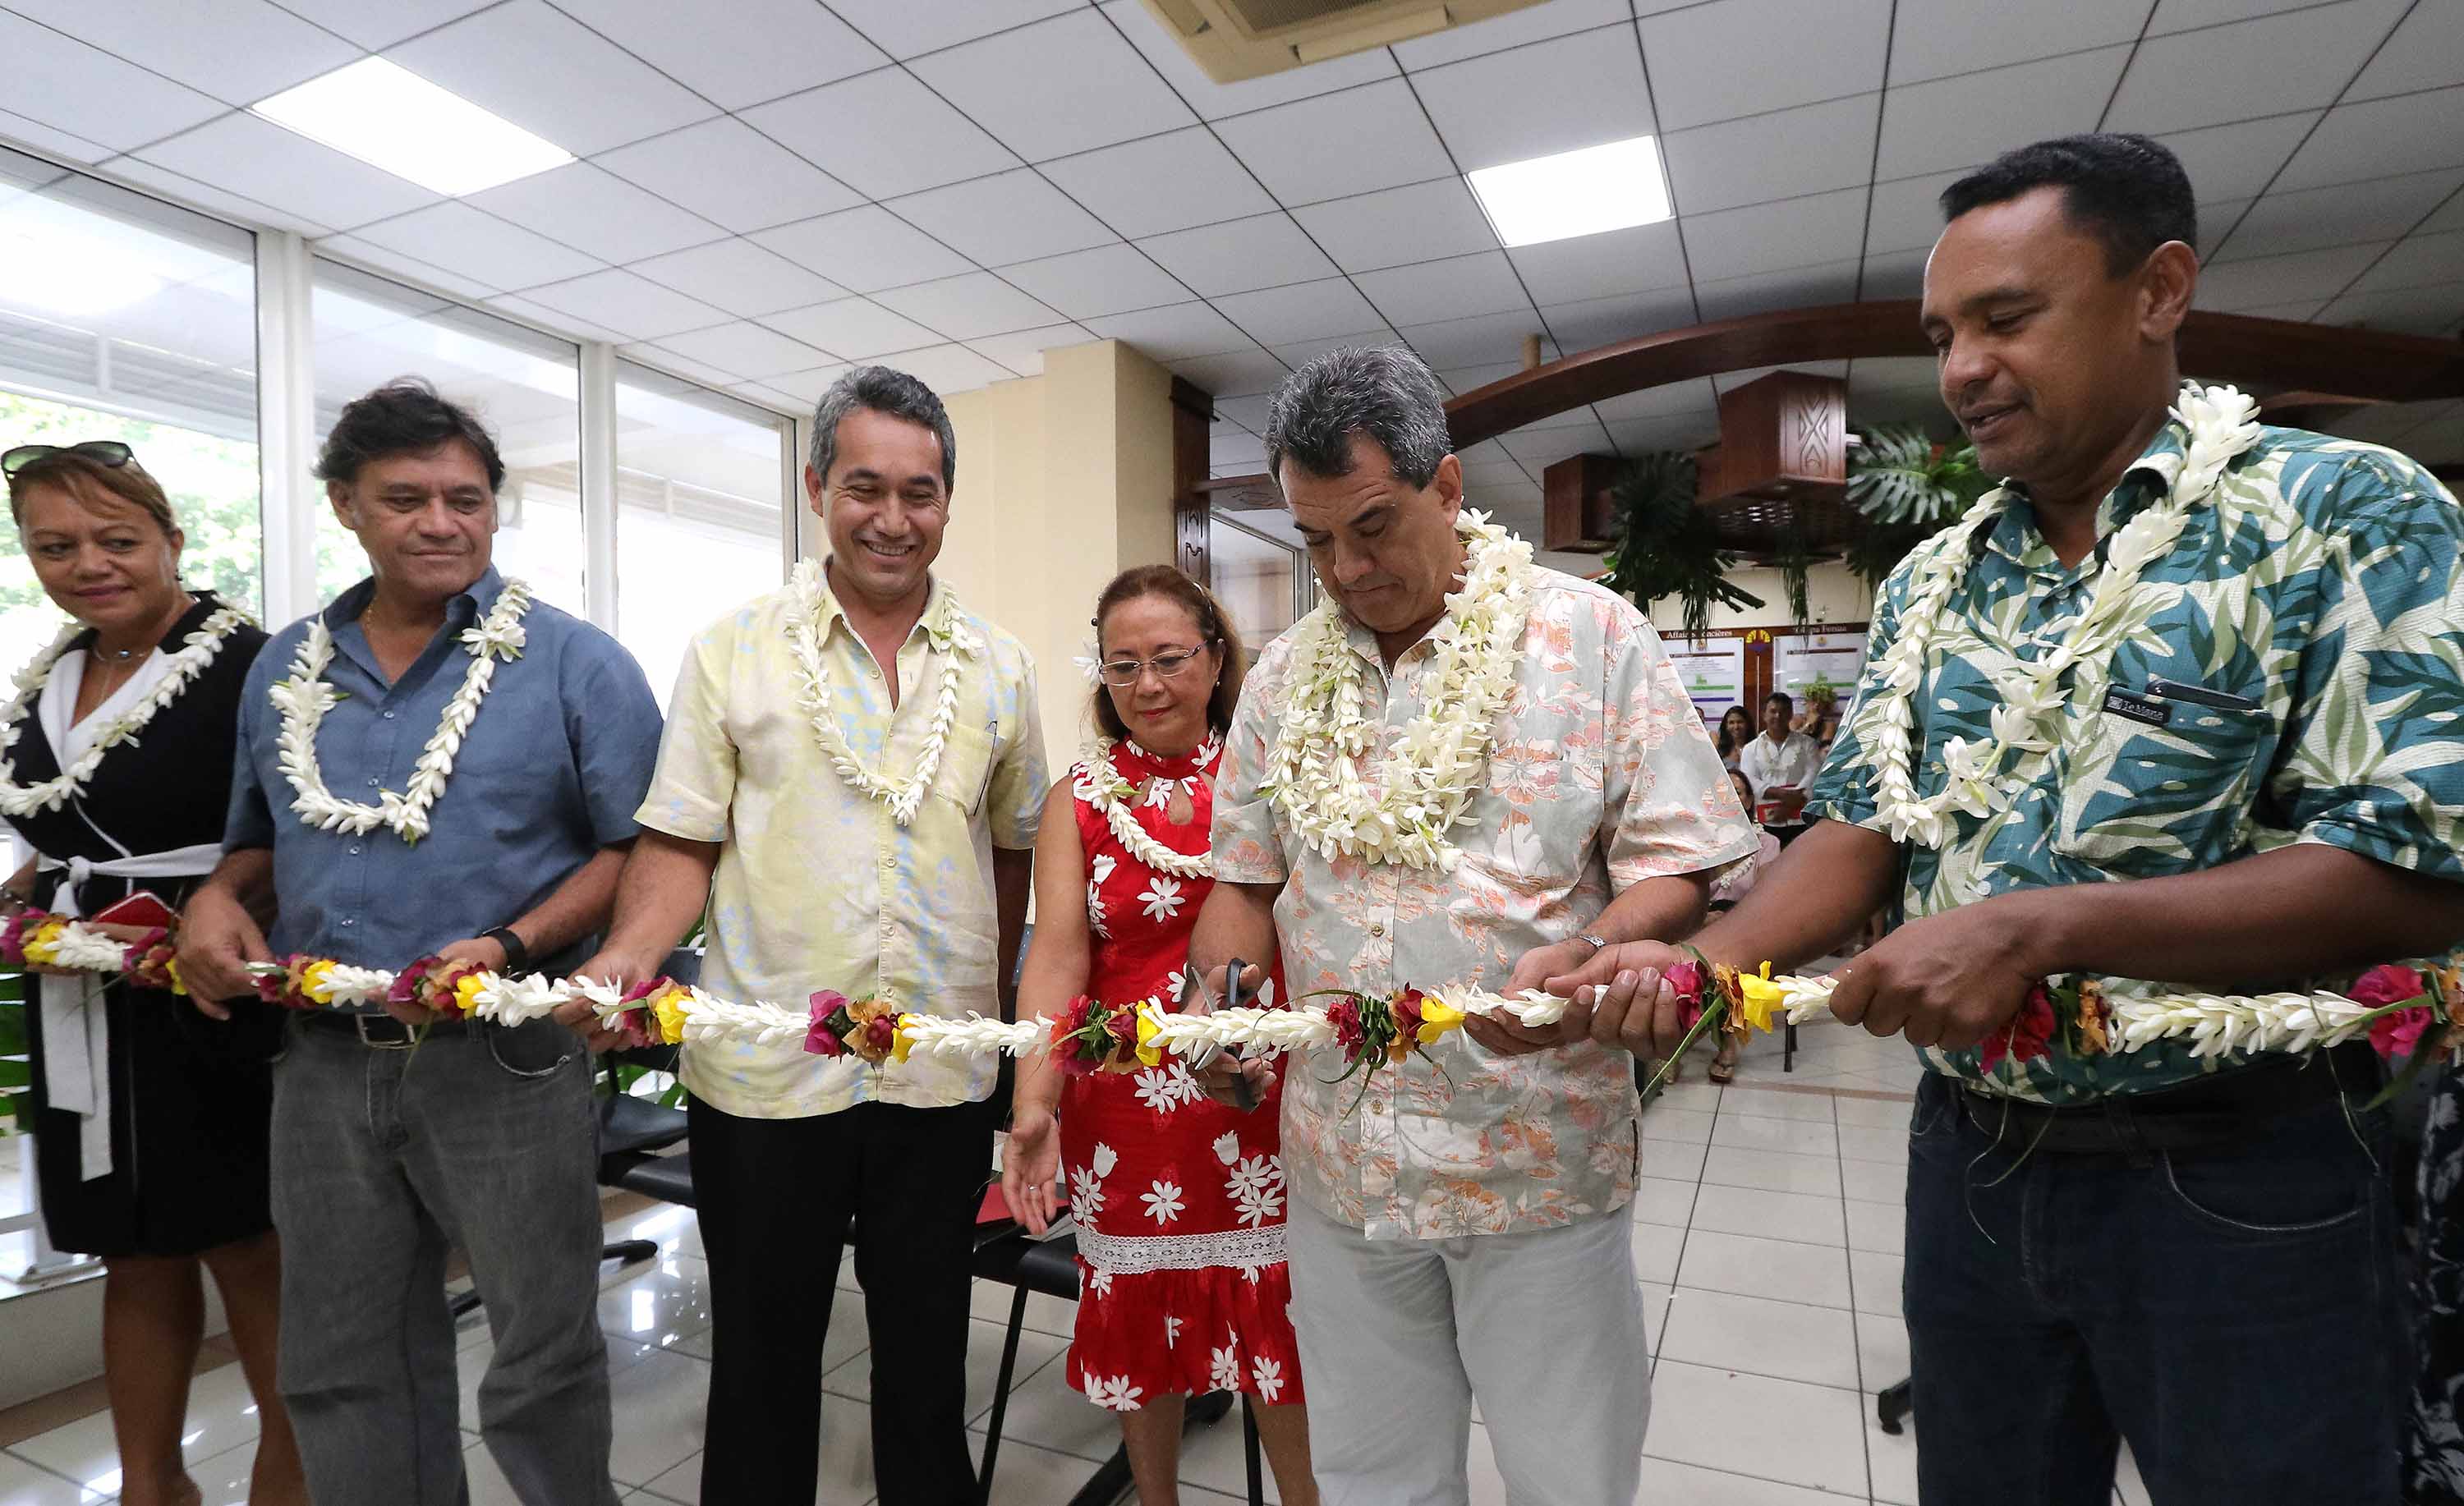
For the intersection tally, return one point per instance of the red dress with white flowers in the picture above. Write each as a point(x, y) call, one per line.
point(1178, 1199)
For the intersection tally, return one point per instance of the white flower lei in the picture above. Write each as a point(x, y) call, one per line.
point(2221, 425)
point(304, 698)
point(1426, 784)
point(196, 652)
point(1108, 793)
point(949, 638)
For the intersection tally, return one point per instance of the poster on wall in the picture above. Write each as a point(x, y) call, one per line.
point(1714, 672)
point(1803, 662)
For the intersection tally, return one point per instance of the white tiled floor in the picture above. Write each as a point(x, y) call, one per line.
point(1767, 1235)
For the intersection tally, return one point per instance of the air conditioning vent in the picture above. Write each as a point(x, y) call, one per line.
point(1235, 39)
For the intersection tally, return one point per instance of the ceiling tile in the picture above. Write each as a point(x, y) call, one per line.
point(2183, 15)
point(2380, 210)
point(1010, 216)
point(1176, 332)
point(1576, 91)
point(1593, 322)
point(856, 329)
point(1893, 274)
point(562, 323)
point(745, 348)
point(1802, 51)
point(1263, 251)
point(905, 29)
point(1514, 29)
point(464, 241)
point(2419, 261)
point(2316, 275)
point(1493, 472)
point(949, 368)
point(864, 248)
point(1681, 432)
point(238, 51)
point(804, 388)
point(259, 160)
point(1023, 351)
point(1420, 222)
point(769, 48)
point(2407, 311)
point(1110, 280)
point(1213, 100)
point(1303, 311)
point(1246, 450)
point(1068, 84)
point(969, 306)
point(1907, 212)
point(2270, 66)
point(1950, 123)
point(384, 260)
point(71, 87)
point(1542, 447)
point(2427, 51)
point(1471, 379)
point(187, 190)
point(763, 395)
point(1300, 353)
point(1165, 182)
point(676, 365)
point(551, 75)
point(1937, 38)
point(1234, 373)
point(1692, 398)
point(1430, 291)
point(1776, 156)
point(730, 174)
point(1466, 342)
point(379, 24)
point(1607, 265)
point(1731, 381)
point(2449, 216)
point(1386, 141)
point(1892, 373)
point(2236, 162)
point(837, 128)
point(62, 145)
point(1804, 288)
point(624, 302)
point(2413, 133)
point(741, 277)
point(592, 210)
point(1769, 237)
point(1249, 413)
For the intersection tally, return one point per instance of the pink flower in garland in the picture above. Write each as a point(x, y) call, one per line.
point(2028, 1036)
point(2399, 1035)
point(1686, 981)
point(821, 1038)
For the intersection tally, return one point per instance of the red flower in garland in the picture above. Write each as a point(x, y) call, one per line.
point(1405, 1011)
point(2399, 1035)
point(2390, 983)
point(2028, 1036)
point(1344, 1015)
point(12, 936)
point(1686, 981)
point(821, 1038)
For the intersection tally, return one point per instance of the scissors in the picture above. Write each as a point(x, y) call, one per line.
point(1244, 1093)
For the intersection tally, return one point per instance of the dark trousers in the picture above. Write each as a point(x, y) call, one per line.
point(2234, 1313)
point(777, 1197)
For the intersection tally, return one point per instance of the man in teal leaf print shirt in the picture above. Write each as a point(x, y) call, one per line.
point(2247, 775)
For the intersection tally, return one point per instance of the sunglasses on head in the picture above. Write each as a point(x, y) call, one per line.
point(102, 452)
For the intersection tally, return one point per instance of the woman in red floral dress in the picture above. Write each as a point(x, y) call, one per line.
point(1178, 1200)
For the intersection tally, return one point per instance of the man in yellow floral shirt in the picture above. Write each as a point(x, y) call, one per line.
point(1534, 785)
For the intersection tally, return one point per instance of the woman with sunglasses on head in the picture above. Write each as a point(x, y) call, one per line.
point(1178, 1199)
point(150, 1121)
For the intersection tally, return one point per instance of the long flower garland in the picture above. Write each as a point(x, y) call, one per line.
point(196, 652)
point(2221, 425)
point(949, 637)
point(304, 698)
point(37, 938)
point(1110, 794)
point(1426, 784)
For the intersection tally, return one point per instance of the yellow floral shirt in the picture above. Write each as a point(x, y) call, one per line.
point(1601, 776)
point(817, 887)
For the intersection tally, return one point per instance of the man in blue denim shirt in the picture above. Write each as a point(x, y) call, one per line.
point(482, 1139)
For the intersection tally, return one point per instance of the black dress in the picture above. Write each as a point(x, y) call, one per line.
point(192, 1097)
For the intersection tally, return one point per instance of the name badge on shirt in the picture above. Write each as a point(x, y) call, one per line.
point(2137, 707)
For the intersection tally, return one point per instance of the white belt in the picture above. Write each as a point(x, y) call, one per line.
point(77, 1029)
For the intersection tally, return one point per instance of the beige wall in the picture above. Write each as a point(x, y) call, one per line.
point(1832, 595)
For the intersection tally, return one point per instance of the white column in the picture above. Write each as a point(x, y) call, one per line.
point(599, 483)
point(292, 500)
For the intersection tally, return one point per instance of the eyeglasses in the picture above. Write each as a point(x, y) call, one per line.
point(102, 452)
point(1122, 673)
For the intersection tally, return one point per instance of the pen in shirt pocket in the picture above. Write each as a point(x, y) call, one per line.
point(2201, 696)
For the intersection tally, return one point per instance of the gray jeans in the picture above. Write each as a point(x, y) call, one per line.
point(382, 1160)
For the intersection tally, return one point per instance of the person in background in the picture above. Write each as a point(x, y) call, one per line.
point(1183, 1297)
point(1736, 731)
point(1727, 890)
point(1780, 763)
point(150, 1121)
point(397, 1134)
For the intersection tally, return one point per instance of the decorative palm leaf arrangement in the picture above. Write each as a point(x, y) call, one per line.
point(1668, 547)
point(1911, 487)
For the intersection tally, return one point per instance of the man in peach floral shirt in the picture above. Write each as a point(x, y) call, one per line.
point(1456, 1223)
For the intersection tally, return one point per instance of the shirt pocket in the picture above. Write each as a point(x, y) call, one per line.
point(965, 769)
point(2144, 801)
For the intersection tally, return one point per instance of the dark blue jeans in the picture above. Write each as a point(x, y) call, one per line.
point(2235, 1314)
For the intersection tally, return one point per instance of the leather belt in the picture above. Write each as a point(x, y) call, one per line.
point(377, 1032)
point(2203, 1115)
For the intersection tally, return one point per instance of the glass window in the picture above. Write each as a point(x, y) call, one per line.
point(701, 512)
point(523, 385)
point(1261, 579)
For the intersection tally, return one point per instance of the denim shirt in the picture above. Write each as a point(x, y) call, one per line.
point(556, 760)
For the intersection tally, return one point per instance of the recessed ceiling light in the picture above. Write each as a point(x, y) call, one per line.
point(1605, 187)
point(388, 117)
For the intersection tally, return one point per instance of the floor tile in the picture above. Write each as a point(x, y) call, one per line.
point(1656, 1249)
point(675, 1230)
point(1760, 1336)
point(1891, 1462)
point(23, 1484)
point(221, 1417)
point(1655, 1318)
point(472, 1367)
point(1881, 1227)
point(1027, 1475)
point(1792, 1137)
point(488, 1484)
point(1782, 1430)
point(1859, 1143)
point(659, 1403)
point(2131, 1490)
point(1671, 1160)
point(1667, 1483)
point(1487, 1486)
point(1874, 1181)
point(1771, 1215)
point(1694, 1092)
point(1662, 1200)
point(1881, 1349)
point(1873, 1113)
point(1763, 1268)
point(1035, 1351)
point(1755, 1102)
point(1726, 1166)
point(662, 1307)
point(1877, 1279)
point(1044, 1314)
point(1686, 1126)
point(1049, 1413)
point(1211, 1458)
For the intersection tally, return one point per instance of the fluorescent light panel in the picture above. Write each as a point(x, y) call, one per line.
point(1605, 187)
point(388, 117)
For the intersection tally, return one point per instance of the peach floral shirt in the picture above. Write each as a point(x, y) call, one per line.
point(1601, 776)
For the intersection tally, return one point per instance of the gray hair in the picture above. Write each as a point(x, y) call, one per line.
point(1387, 393)
point(882, 389)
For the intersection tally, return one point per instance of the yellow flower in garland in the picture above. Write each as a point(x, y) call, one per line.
point(316, 981)
point(903, 1042)
point(1760, 997)
point(466, 992)
point(40, 941)
point(668, 1008)
point(1150, 1023)
point(1437, 1017)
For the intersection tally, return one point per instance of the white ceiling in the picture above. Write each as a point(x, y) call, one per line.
point(771, 190)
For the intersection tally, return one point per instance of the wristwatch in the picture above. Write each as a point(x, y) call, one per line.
point(1599, 944)
point(517, 956)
